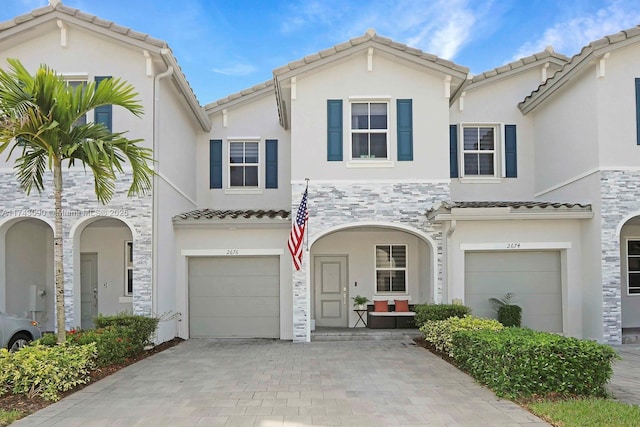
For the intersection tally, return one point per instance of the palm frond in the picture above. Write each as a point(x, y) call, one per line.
point(30, 168)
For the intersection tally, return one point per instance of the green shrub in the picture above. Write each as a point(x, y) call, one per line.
point(510, 315)
point(440, 332)
point(519, 362)
point(39, 370)
point(426, 312)
point(113, 343)
point(141, 328)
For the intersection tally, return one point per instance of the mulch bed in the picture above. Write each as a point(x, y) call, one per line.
point(28, 406)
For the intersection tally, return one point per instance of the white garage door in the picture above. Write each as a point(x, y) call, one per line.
point(234, 297)
point(532, 276)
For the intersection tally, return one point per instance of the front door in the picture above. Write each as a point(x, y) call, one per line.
point(331, 291)
point(88, 289)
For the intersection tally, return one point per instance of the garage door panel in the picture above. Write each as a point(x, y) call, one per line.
point(234, 297)
point(533, 278)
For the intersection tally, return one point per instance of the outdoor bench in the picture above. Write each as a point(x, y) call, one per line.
point(390, 319)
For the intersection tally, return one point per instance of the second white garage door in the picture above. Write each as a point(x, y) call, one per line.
point(234, 297)
point(533, 276)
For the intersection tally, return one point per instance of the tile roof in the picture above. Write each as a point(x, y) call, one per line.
point(240, 96)
point(547, 55)
point(36, 16)
point(524, 205)
point(577, 62)
point(204, 214)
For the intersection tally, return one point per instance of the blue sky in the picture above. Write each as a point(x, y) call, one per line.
point(225, 46)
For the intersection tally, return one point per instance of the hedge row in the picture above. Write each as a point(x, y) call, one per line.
point(440, 333)
point(519, 362)
point(427, 312)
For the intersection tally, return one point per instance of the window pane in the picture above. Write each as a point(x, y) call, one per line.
point(471, 164)
point(399, 256)
point(383, 256)
point(633, 247)
point(359, 116)
point(634, 264)
point(129, 282)
point(634, 290)
point(378, 116)
point(383, 281)
point(398, 281)
point(486, 138)
point(236, 176)
point(634, 280)
point(470, 138)
point(378, 145)
point(236, 152)
point(486, 164)
point(360, 145)
point(251, 152)
point(250, 176)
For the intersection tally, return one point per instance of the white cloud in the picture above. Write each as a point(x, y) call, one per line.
point(237, 69)
point(570, 35)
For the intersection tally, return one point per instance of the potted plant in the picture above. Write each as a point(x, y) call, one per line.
point(360, 302)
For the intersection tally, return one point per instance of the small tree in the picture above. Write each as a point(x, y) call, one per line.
point(509, 314)
point(39, 122)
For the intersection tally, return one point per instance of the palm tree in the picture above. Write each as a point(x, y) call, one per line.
point(39, 123)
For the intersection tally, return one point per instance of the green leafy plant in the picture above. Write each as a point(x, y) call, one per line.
point(509, 314)
point(440, 332)
point(141, 328)
point(427, 312)
point(520, 362)
point(360, 300)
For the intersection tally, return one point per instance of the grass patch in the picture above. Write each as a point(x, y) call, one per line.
point(7, 417)
point(591, 412)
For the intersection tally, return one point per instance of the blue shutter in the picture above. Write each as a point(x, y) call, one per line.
point(637, 111)
point(334, 130)
point(405, 129)
point(104, 113)
point(510, 152)
point(453, 151)
point(215, 163)
point(271, 162)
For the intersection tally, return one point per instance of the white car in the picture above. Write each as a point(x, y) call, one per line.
point(16, 332)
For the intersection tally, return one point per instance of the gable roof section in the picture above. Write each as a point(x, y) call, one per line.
point(28, 21)
point(282, 74)
point(591, 52)
point(546, 56)
point(240, 97)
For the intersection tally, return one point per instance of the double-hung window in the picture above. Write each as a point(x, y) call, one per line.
point(633, 267)
point(479, 150)
point(244, 164)
point(391, 268)
point(128, 268)
point(370, 130)
point(76, 83)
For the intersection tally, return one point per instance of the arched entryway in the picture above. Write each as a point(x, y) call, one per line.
point(630, 276)
point(26, 263)
point(103, 256)
point(374, 260)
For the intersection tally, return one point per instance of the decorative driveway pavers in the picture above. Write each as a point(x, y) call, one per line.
point(625, 383)
point(272, 383)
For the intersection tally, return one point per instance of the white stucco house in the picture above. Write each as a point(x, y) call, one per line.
point(424, 183)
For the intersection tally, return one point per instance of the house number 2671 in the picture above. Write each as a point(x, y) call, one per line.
point(233, 252)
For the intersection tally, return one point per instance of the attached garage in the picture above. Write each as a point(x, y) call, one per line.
point(234, 296)
point(534, 277)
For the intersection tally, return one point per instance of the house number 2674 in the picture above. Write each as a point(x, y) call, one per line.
point(513, 245)
point(233, 252)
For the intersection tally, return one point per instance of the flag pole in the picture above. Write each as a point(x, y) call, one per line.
point(307, 227)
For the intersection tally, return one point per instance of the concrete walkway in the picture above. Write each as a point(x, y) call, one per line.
point(625, 383)
point(272, 383)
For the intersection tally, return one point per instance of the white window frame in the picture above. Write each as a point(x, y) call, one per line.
point(370, 161)
point(78, 78)
point(244, 190)
point(405, 268)
point(499, 166)
point(128, 267)
point(626, 259)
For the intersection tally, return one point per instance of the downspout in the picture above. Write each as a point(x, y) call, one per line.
point(449, 269)
point(156, 181)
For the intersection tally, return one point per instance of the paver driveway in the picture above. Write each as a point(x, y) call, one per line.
point(272, 383)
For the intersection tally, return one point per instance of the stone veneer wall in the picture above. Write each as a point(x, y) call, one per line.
point(79, 203)
point(335, 204)
point(619, 190)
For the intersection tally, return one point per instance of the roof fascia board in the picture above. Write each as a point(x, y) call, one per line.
point(230, 224)
point(507, 74)
point(493, 216)
point(244, 98)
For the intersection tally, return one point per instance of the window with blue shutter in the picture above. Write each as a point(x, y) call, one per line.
point(104, 113)
point(334, 130)
point(405, 129)
point(453, 151)
point(510, 151)
point(271, 163)
point(215, 163)
point(638, 111)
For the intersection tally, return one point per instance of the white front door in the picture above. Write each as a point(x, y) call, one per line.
point(331, 291)
point(88, 289)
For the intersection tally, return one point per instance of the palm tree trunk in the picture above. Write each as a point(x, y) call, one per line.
point(57, 250)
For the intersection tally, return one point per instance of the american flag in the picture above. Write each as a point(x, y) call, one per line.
point(297, 232)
